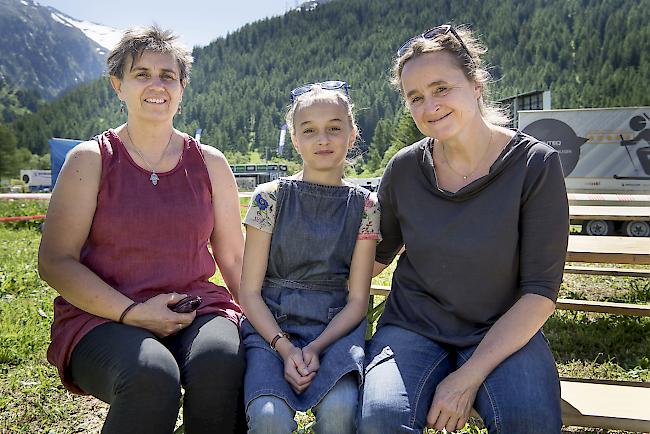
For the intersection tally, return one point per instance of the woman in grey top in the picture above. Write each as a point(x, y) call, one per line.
point(482, 213)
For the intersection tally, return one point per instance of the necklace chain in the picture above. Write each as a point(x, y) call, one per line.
point(487, 148)
point(154, 176)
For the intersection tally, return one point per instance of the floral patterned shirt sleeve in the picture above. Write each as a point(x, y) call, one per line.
point(261, 210)
point(369, 229)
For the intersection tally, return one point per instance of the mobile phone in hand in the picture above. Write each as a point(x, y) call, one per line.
point(187, 304)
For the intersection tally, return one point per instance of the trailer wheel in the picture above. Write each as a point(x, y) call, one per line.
point(598, 227)
point(636, 228)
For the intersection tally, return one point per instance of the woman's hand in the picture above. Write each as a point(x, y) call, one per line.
point(311, 356)
point(453, 401)
point(154, 315)
point(455, 395)
point(295, 368)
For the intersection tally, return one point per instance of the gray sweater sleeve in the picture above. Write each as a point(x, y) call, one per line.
point(544, 227)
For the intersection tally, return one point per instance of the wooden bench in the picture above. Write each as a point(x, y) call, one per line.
point(569, 304)
point(622, 405)
point(607, 271)
point(608, 250)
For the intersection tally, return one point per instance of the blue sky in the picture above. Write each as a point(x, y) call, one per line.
point(197, 21)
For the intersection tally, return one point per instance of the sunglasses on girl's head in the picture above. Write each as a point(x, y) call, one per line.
point(327, 85)
point(432, 33)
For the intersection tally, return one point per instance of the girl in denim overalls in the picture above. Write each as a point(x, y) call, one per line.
point(310, 243)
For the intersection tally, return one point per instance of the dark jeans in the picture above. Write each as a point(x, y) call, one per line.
point(141, 376)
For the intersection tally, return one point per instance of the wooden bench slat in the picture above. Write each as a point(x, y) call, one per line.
point(609, 250)
point(610, 406)
point(603, 307)
point(570, 304)
point(607, 271)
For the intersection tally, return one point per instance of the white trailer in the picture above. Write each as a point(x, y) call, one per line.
point(603, 151)
point(36, 180)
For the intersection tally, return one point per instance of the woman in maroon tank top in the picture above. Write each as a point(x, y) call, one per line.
point(127, 237)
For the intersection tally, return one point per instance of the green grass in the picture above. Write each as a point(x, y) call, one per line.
point(15, 208)
point(32, 399)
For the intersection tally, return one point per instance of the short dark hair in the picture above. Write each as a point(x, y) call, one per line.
point(137, 40)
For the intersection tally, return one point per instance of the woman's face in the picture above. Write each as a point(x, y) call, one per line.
point(151, 86)
point(439, 96)
point(323, 134)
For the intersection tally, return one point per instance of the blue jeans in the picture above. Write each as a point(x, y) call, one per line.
point(335, 413)
point(522, 395)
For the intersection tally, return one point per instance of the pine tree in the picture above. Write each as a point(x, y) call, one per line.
point(405, 134)
point(7, 153)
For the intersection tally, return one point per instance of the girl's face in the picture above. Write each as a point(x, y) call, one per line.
point(151, 86)
point(442, 101)
point(323, 134)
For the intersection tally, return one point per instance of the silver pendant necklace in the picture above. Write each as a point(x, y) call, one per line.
point(154, 176)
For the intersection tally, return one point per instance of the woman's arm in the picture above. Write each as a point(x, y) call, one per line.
point(227, 239)
point(69, 218)
point(256, 254)
point(392, 241)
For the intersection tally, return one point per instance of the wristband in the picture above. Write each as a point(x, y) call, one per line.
point(131, 306)
point(277, 337)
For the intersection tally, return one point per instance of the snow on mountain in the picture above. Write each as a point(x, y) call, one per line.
point(105, 36)
point(47, 51)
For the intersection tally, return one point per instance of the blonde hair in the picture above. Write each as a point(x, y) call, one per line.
point(137, 40)
point(318, 94)
point(470, 61)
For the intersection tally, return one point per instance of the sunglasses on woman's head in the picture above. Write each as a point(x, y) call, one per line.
point(327, 85)
point(432, 33)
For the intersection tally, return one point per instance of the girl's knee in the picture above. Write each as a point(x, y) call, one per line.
point(270, 415)
point(342, 398)
point(337, 414)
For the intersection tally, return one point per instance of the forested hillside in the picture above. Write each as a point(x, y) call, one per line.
point(15, 102)
point(588, 53)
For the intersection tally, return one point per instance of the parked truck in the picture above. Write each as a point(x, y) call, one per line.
point(603, 151)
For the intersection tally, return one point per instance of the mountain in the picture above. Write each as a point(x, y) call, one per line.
point(47, 51)
point(587, 53)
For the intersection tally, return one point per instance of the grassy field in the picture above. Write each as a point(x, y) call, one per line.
point(32, 399)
